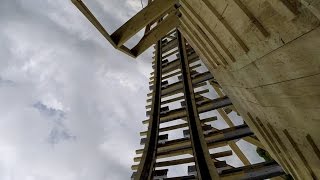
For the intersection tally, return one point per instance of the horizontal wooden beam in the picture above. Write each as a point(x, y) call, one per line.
point(264, 170)
point(156, 33)
point(178, 126)
point(187, 160)
point(144, 17)
point(181, 113)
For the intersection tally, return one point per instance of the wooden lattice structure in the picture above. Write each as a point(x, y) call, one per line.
point(263, 60)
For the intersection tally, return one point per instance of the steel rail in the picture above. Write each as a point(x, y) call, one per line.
point(204, 164)
point(148, 160)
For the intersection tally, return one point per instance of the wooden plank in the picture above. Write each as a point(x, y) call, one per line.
point(204, 37)
point(213, 156)
point(314, 146)
point(148, 14)
point(254, 142)
point(126, 50)
point(239, 153)
point(171, 75)
point(191, 159)
point(232, 144)
point(269, 139)
point(178, 152)
point(263, 170)
point(227, 26)
point(169, 54)
point(219, 136)
point(169, 128)
point(206, 28)
point(191, 37)
point(292, 5)
point(155, 34)
point(203, 54)
point(293, 170)
point(254, 20)
point(200, 41)
point(169, 46)
point(300, 154)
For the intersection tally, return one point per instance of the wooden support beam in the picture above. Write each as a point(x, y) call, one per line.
point(169, 46)
point(197, 44)
point(174, 65)
point(206, 28)
point(156, 33)
point(178, 85)
point(190, 23)
point(170, 34)
point(178, 152)
point(171, 53)
point(230, 123)
point(232, 144)
point(253, 19)
point(263, 170)
point(178, 126)
point(254, 141)
point(239, 153)
point(217, 139)
point(266, 136)
point(226, 25)
point(200, 40)
point(181, 90)
point(171, 75)
point(144, 17)
point(182, 161)
point(150, 24)
point(189, 160)
point(87, 13)
point(212, 105)
point(192, 177)
point(182, 97)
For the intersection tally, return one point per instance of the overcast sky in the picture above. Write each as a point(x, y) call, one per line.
point(70, 105)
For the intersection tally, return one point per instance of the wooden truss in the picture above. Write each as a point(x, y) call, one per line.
point(167, 23)
point(199, 136)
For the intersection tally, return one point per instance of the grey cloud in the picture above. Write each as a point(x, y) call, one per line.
point(5, 82)
point(87, 90)
point(59, 132)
